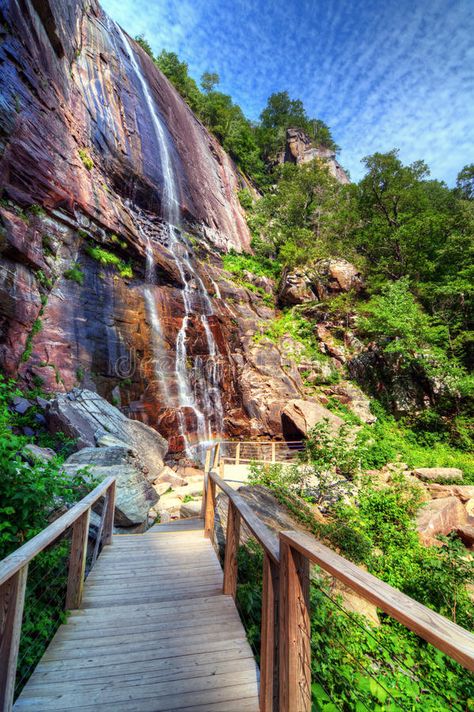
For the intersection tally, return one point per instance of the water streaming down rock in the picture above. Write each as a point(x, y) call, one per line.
point(205, 400)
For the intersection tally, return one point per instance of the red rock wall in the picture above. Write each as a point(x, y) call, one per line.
point(66, 319)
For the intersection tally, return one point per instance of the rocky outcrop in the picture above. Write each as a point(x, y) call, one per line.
point(323, 279)
point(462, 492)
point(466, 534)
point(431, 474)
point(300, 149)
point(439, 516)
point(134, 494)
point(93, 422)
point(354, 398)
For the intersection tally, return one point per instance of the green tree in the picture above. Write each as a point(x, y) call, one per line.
point(306, 216)
point(465, 182)
point(144, 44)
point(209, 81)
point(177, 73)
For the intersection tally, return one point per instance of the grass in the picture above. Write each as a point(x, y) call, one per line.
point(75, 274)
point(106, 258)
point(292, 324)
point(35, 329)
point(238, 263)
point(86, 159)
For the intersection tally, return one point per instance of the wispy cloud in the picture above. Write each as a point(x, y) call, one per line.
point(382, 74)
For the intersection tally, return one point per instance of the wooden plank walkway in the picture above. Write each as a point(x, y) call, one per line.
point(154, 633)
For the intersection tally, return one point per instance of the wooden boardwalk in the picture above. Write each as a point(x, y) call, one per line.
point(154, 633)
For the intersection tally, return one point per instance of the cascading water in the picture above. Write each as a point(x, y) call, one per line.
point(195, 297)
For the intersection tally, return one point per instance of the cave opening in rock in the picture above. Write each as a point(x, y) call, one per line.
point(290, 430)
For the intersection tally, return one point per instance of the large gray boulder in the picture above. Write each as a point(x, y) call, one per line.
point(93, 421)
point(134, 494)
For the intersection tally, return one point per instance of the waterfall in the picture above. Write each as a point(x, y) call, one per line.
point(195, 297)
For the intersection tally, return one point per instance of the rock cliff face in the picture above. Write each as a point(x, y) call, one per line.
point(299, 149)
point(116, 205)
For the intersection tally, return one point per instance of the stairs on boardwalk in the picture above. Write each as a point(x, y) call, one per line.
point(154, 633)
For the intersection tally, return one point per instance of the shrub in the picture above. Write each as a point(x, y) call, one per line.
point(75, 274)
point(86, 159)
point(239, 262)
point(104, 257)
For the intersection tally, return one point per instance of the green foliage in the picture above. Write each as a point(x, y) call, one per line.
point(282, 113)
point(144, 44)
point(209, 81)
point(239, 263)
point(86, 159)
point(75, 274)
point(465, 182)
point(245, 198)
point(35, 329)
point(31, 491)
point(306, 216)
point(37, 210)
point(354, 664)
point(294, 325)
point(104, 257)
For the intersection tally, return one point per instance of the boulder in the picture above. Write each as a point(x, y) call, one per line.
point(134, 497)
point(86, 416)
point(35, 453)
point(191, 508)
point(21, 405)
point(299, 416)
point(462, 492)
point(431, 474)
point(170, 477)
point(354, 603)
point(470, 507)
point(466, 533)
point(439, 516)
point(318, 281)
point(295, 288)
point(334, 276)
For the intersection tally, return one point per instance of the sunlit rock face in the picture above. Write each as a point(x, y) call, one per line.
point(300, 149)
point(150, 320)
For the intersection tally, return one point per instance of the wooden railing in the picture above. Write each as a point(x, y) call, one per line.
point(14, 574)
point(285, 656)
point(233, 452)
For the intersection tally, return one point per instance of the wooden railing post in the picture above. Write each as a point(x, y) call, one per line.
point(207, 461)
point(237, 454)
point(231, 551)
point(109, 517)
point(210, 507)
point(295, 635)
point(273, 452)
point(269, 637)
point(12, 600)
point(217, 454)
point(77, 561)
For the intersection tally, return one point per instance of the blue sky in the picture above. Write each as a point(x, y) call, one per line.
point(381, 73)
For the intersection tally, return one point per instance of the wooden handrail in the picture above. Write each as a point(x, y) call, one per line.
point(17, 559)
point(285, 656)
point(445, 635)
point(14, 573)
point(265, 536)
